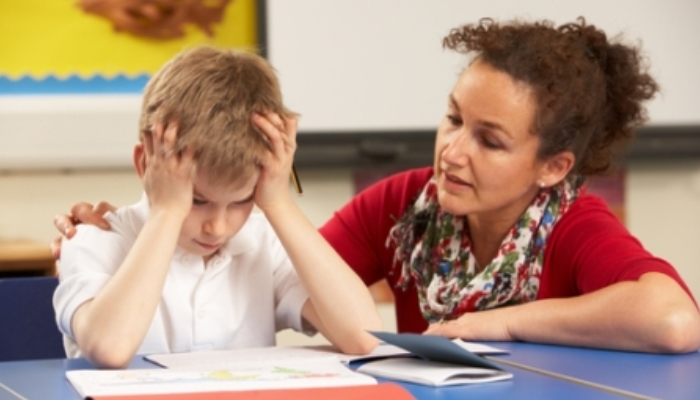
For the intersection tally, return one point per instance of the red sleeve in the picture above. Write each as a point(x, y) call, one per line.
point(359, 232)
point(590, 249)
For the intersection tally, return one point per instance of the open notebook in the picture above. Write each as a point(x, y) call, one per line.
point(284, 368)
point(247, 374)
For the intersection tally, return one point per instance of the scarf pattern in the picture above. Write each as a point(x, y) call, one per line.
point(434, 251)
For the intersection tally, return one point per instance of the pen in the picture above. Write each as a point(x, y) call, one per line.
point(295, 181)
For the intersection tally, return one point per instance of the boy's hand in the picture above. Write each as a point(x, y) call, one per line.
point(273, 185)
point(169, 174)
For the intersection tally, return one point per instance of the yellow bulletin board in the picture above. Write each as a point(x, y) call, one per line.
point(71, 84)
point(56, 41)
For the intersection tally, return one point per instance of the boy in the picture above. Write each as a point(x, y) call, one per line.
point(190, 267)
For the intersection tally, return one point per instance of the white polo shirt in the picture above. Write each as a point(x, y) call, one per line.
point(247, 293)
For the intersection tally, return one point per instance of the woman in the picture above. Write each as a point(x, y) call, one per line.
point(499, 240)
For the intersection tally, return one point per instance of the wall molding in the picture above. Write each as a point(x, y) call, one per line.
point(406, 149)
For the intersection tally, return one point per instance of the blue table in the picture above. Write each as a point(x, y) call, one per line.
point(672, 377)
point(45, 380)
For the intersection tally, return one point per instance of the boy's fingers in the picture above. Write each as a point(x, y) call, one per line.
point(276, 121)
point(266, 128)
point(167, 140)
point(262, 121)
point(292, 124)
point(157, 137)
point(170, 131)
point(277, 130)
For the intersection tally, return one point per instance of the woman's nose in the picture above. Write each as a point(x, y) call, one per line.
point(456, 149)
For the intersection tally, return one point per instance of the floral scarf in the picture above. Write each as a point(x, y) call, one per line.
point(433, 249)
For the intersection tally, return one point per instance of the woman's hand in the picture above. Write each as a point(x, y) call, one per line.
point(80, 213)
point(653, 314)
point(273, 184)
point(489, 325)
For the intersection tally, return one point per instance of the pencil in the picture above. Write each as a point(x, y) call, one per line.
point(295, 181)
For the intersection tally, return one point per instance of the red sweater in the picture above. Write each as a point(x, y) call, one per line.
point(587, 250)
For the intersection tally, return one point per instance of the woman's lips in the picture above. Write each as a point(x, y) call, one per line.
point(449, 178)
point(453, 184)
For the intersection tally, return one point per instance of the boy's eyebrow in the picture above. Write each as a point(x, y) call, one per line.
point(250, 197)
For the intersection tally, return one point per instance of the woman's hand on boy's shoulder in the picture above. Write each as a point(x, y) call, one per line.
point(81, 213)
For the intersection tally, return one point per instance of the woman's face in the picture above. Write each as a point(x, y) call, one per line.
point(485, 154)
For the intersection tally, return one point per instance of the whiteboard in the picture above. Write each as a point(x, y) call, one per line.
point(379, 64)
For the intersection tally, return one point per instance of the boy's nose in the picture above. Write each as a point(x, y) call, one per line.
point(216, 226)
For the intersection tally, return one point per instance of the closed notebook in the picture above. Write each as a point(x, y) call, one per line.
point(437, 361)
point(431, 373)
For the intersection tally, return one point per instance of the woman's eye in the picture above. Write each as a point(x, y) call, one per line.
point(198, 202)
point(490, 143)
point(456, 121)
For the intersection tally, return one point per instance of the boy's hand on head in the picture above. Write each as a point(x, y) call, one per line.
point(169, 174)
point(273, 184)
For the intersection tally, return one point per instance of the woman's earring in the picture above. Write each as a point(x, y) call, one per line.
point(541, 184)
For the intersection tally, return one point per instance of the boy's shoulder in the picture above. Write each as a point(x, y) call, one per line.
point(127, 221)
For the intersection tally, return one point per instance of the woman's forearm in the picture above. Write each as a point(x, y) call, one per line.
point(653, 314)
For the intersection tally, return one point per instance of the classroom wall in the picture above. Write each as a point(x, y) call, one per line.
point(662, 198)
point(662, 203)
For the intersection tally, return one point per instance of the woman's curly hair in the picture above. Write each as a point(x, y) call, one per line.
point(589, 89)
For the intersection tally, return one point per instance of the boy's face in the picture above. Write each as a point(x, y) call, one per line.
point(217, 214)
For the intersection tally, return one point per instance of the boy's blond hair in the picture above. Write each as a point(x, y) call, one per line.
point(212, 94)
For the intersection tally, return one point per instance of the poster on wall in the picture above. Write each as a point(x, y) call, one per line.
point(109, 46)
point(73, 71)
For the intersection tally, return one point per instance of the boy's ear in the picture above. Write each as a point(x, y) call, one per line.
point(556, 168)
point(139, 158)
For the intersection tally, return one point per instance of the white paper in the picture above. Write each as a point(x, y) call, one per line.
point(245, 375)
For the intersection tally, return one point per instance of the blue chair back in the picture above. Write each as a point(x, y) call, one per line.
point(28, 328)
